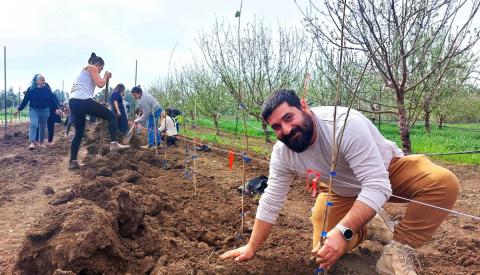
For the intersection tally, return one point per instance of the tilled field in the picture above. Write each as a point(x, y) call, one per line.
point(136, 212)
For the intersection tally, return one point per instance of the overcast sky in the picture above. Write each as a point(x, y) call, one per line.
point(55, 38)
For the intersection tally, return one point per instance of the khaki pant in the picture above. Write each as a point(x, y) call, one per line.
point(413, 177)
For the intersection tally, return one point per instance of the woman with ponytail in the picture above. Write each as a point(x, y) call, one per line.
point(82, 103)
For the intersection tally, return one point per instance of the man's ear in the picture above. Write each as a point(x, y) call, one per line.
point(303, 105)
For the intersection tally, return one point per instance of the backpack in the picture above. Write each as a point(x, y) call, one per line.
point(254, 186)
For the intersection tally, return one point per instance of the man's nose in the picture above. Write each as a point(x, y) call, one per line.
point(286, 129)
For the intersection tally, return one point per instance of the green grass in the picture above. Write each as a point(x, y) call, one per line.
point(441, 141)
point(254, 127)
point(23, 115)
point(452, 138)
point(227, 141)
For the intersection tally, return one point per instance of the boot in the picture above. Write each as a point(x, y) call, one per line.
point(115, 146)
point(397, 259)
point(381, 227)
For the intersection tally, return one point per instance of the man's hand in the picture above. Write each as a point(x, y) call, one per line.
point(15, 114)
point(58, 112)
point(240, 254)
point(334, 247)
point(108, 75)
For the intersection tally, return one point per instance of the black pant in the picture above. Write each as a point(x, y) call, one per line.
point(69, 122)
point(171, 140)
point(80, 108)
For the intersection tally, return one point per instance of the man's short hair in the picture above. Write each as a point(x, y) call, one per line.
point(136, 90)
point(277, 98)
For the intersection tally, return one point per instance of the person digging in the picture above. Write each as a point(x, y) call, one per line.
point(374, 167)
point(151, 110)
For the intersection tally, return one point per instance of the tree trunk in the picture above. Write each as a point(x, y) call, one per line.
point(192, 117)
point(441, 121)
point(428, 129)
point(215, 121)
point(266, 132)
point(236, 127)
point(403, 124)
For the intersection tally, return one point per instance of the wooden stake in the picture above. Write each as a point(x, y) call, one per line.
point(102, 124)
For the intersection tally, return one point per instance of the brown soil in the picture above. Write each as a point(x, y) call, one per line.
point(135, 212)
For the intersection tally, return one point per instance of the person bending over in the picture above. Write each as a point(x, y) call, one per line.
point(168, 129)
point(151, 109)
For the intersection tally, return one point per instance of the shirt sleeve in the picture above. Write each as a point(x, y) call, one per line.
point(359, 150)
point(162, 126)
point(54, 104)
point(279, 180)
point(25, 100)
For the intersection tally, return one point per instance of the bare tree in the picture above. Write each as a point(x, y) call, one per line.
point(212, 98)
point(268, 61)
point(398, 36)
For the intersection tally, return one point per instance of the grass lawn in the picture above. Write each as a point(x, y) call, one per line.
point(452, 138)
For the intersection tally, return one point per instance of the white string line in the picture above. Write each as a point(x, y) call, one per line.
point(344, 182)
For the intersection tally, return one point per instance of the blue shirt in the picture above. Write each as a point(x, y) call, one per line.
point(116, 96)
point(39, 98)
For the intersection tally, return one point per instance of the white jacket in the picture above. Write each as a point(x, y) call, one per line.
point(171, 129)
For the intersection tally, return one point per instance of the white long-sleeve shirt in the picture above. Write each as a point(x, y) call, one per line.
point(363, 161)
point(171, 129)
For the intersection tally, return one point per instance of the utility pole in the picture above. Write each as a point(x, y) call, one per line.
point(5, 84)
point(133, 108)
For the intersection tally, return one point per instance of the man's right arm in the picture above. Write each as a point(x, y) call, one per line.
point(260, 232)
point(270, 205)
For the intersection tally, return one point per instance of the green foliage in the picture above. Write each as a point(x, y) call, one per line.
point(452, 138)
point(448, 139)
point(230, 125)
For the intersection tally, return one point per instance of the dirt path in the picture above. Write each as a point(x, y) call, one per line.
point(24, 176)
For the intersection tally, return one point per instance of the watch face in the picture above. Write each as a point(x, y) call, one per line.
point(348, 234)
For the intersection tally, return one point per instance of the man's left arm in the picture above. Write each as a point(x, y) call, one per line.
point(360, 152)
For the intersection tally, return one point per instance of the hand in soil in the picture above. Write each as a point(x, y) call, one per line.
point(334, 247)
point(240, 254)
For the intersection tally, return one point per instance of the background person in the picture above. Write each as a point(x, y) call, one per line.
point(167, 129)
point(39, 95)
point(151, 109)
point(82, 103)
point(53, 118)
point(116, 103)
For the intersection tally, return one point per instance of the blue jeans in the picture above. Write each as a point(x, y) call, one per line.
point(38, 119)
point(153, 127)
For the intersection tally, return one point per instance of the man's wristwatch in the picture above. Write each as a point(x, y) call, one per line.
point(347, 233)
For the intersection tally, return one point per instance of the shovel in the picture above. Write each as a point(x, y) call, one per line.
point(126, 139)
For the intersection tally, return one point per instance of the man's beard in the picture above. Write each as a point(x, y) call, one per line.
point(299, 142)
